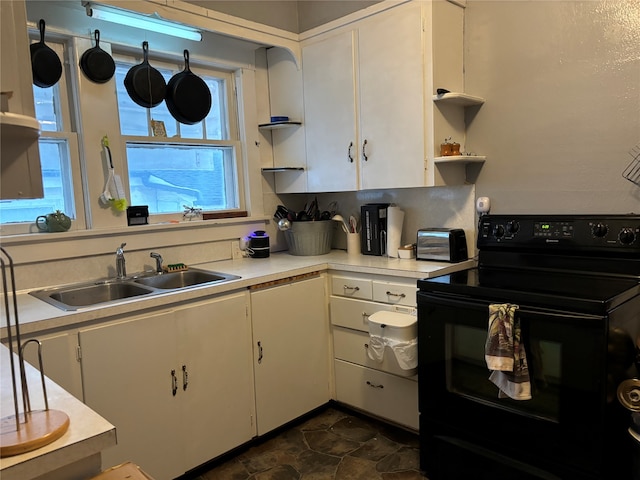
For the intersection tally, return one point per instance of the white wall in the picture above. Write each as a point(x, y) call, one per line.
point(561, 81)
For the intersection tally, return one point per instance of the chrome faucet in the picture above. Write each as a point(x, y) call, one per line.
point(121, 269)
point(158, 258)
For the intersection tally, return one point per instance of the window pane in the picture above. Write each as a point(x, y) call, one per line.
point(168, 177)
point(47, 109)
point(54, 158)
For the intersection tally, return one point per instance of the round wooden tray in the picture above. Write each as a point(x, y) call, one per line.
point(39, 428)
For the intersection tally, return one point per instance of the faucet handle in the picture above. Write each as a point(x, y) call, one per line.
point(120, 249)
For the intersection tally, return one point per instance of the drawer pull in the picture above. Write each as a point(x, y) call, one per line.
point(174, 383)
point(185, 377)
point(373, 385)
point(400, 295)
point(353, 289)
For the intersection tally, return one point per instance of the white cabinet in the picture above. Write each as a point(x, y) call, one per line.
point(370, 120)
point(177, 384)
point(59, 359)
point(380, 388)
point(291, 350)
point(21, 174)
point(363, 91)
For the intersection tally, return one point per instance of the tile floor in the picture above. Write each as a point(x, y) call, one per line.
point(334, 444)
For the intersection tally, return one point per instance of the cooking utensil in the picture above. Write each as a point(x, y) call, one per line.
point(353, 224)
point(96, 64)
point(284, 224)
point(45, 64)
point(188, 97)
point(338, 218)
point(145, 85)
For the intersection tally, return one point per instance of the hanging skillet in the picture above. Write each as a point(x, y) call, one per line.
point(145, 85)
point(45, 64)
point(96, 64)
point(188, 96)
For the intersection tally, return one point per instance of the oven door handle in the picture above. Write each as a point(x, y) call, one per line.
point(460, 302)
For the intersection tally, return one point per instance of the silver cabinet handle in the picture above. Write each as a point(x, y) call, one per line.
point(259, 352)
point(174, 383)
point(349, 156)
point(185, 377)
point(365, 317)
point(373, 385)
point(400, 295)
point(364, 151)
point(353, 289)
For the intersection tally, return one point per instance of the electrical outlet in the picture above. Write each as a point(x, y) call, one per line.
point(236, 253)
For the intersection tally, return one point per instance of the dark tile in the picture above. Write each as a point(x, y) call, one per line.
point(266, 460)
point(352, 468)
point(330, 443)
point(279, 472)
point(354, 428)
point(406, 458)
point(376, 449)
point(324, 420)
point(408, 475)
point(323, 466)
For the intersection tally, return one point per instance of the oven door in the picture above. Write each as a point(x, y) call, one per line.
point(558, 432)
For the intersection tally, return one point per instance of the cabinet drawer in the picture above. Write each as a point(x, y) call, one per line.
point(352, 346)
point(395, 293)
point(378, 393)
point(350, 313)
point(351, 287)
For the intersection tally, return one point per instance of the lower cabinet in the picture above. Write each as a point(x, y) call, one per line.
point(59, 358)
point(291, 350)
point(380, 388)
point(177, 384)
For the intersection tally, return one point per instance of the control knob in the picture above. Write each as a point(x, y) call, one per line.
point(513, 227)
point(599, 230)
point(626, 236)
point(498, 231)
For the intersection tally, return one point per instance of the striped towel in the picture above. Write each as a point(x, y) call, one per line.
point(505, 354)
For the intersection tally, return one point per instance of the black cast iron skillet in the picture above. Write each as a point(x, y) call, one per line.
point(145, 85)
point(45, 64)
point(96, 64)
point(188, 96)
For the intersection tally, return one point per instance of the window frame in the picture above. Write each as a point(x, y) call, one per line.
point(67, 104)
point(175, 63)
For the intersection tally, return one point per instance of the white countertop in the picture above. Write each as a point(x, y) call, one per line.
point(37, 316)
point(88, 432)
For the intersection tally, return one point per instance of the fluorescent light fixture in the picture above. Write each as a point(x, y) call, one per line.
point(152, 22)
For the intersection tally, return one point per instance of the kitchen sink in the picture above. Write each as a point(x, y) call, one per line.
point(88, 294)
point(183, 279)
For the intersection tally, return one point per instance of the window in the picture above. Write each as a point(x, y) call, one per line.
point(184, 165)
point(59, 160)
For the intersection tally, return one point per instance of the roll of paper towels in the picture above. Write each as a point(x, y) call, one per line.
point(395, 218)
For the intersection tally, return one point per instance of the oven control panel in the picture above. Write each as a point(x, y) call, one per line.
point(556, 231)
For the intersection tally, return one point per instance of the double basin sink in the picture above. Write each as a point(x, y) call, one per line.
point(88, 294)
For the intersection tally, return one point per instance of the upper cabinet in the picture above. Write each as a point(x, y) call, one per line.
point(21, 174)
point(364, 103)
point(372, 119)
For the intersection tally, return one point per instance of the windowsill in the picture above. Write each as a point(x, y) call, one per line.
point(43, 237)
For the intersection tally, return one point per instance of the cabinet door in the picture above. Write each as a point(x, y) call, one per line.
point(126, 373)
point(391, 84)
point(59, 359)
point(217, 398)
point(291, 351)
point(330, 114)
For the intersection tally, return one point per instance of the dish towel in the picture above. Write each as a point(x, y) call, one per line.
point(406, 353)
point(505, 354)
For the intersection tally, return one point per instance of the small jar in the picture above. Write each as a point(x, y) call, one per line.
point(445, 149)
point(455, 149)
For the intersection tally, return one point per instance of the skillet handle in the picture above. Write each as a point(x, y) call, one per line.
point(41, 28)
point(96, 35)
point(186, 61)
